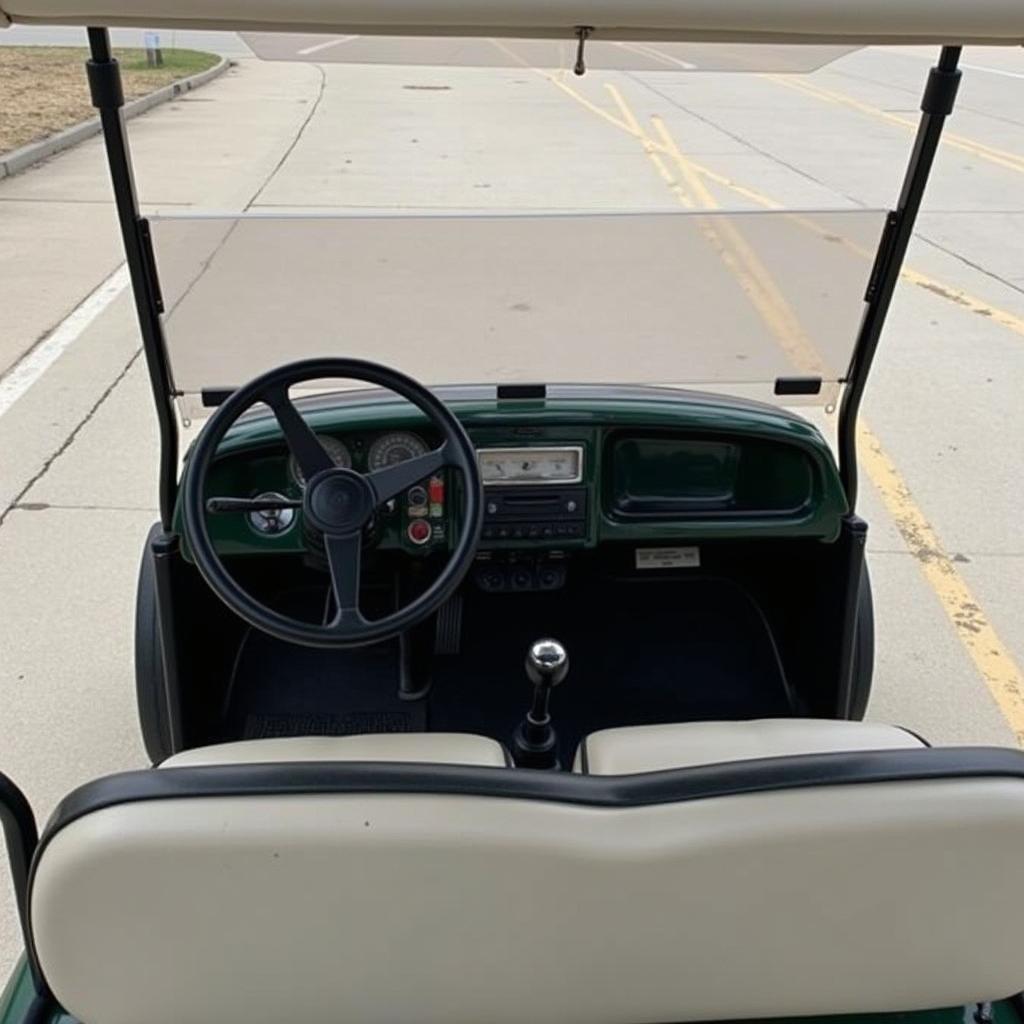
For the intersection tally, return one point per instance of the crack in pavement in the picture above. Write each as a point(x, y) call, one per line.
point(235, 221)
point(998, 278)
point(70, 439)
point(742, 140)
point(916, 93)
point(47, 506)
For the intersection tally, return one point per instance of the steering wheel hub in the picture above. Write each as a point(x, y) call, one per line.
point(338, 501)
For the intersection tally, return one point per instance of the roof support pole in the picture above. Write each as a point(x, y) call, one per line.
point(19, 830)
point(936, 105)
point(108, 98)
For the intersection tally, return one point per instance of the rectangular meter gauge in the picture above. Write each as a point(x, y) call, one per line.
point(503, 466)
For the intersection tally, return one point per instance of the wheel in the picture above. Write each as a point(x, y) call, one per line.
point(337, 505)
point(150, 682)
point(863, 649)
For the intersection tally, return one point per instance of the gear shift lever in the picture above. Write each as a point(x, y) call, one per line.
point(534, 743)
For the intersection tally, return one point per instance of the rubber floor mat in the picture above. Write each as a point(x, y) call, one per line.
point(283, 690)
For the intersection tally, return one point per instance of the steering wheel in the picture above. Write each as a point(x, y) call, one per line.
point(337, 504)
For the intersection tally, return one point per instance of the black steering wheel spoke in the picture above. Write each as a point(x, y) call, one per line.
point(302, 442)
point(344, 560)
point(391, 481)
point(266, 504)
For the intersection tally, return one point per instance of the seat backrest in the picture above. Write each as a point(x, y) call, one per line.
point(834, 883)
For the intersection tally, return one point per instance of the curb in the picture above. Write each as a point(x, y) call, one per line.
point(20, 159)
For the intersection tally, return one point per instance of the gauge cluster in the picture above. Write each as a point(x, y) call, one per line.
point(416, 520)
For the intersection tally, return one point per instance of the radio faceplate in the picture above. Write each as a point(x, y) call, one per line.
point(535, 513)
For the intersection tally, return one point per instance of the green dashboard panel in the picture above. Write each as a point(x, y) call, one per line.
point(657, 466)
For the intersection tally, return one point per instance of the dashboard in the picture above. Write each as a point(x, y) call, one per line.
point(559, 475)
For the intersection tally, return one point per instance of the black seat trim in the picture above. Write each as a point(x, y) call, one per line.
point(645, 789)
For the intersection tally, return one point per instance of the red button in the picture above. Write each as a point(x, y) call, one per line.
point(419, 531)
point(436, 490)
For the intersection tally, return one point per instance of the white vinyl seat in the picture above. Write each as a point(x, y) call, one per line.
point(653, 748)
point(845, 877)
point(411, 747)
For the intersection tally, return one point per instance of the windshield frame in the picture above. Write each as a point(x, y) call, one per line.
point(938, 101)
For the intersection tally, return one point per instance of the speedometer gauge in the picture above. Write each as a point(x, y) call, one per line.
point(399, 446)
point(336, 450)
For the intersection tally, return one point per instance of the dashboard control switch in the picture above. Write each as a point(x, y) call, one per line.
point(272, 522)
point(436, 490)
point(419, 531)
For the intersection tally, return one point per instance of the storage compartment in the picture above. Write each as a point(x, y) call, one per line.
point(681, 476)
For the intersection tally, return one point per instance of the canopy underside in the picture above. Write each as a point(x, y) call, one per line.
point(794, 21)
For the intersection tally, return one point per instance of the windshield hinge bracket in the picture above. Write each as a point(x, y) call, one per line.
point(522, 392)
point(582, 33)
point(882, 255)
point(214, 397)
point(798, 385)
point(149, 258)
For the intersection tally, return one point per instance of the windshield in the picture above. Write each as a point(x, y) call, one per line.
point(714, 299)
point(491, 225)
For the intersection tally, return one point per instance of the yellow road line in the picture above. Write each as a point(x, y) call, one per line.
point(1000, 157)
point(771, 303)
point(633, 126)
point(965, 300)
point(732, 248)
point(971, 303)
point(990, 655)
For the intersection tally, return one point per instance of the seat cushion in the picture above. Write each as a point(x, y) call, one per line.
point(418, 747)
point(257, 894)
point(652, 748)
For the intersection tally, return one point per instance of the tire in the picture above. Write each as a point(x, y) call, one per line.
point(150, 684)
point(863, 649)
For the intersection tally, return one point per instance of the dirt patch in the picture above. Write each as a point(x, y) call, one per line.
point(44, 88)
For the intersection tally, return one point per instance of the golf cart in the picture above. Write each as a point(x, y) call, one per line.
point(535, 693)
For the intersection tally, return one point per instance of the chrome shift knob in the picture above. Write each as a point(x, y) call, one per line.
point(547, 663)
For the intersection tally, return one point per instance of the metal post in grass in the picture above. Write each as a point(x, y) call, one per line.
point(154, 55)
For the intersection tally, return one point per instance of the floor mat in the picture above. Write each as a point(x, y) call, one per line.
point(283, 690)
point(638, 654)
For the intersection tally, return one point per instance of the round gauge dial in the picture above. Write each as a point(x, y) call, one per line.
point(399, 446)
point(337, 450)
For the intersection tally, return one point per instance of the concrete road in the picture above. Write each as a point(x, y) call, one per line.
point(228, 44)
point(941, 459)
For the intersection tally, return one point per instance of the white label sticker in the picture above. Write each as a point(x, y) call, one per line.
point(667, 558)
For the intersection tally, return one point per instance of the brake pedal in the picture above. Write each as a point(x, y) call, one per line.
point(448, 632)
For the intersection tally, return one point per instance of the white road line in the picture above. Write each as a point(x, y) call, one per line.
point(34, 364)
point(993, 71)
point(323, 46)
point(968, 67)
point(656, 54)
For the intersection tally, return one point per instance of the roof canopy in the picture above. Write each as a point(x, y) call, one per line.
point(851, 22)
